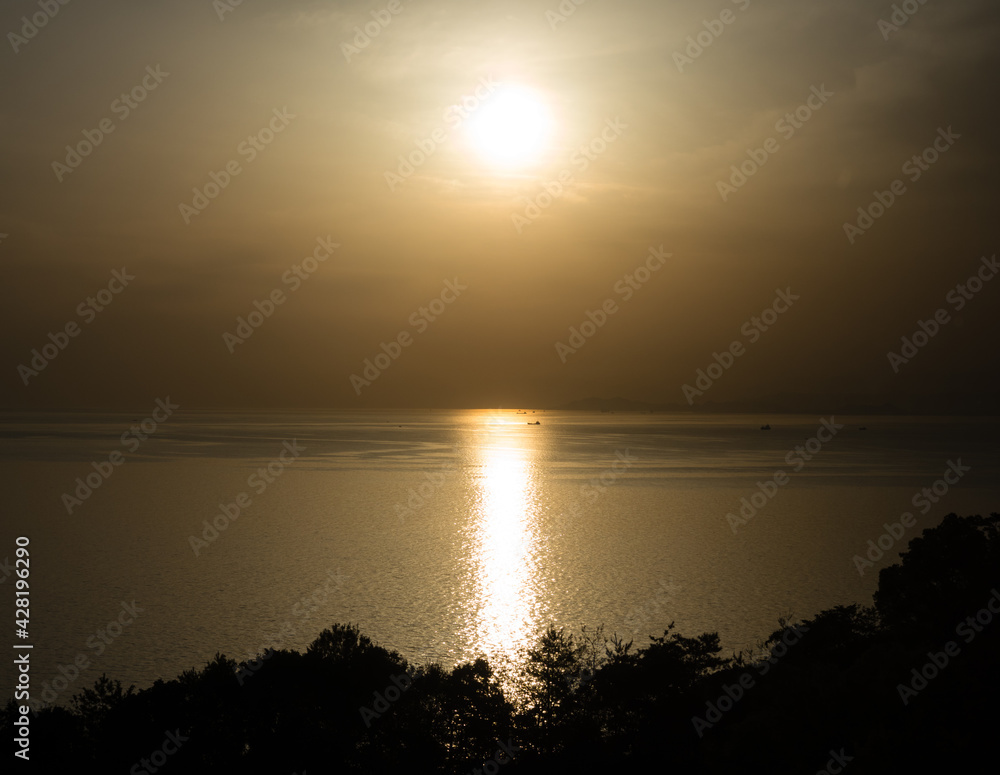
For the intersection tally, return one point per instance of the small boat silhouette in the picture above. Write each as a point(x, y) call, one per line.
point(534, 423)
point(765, 427)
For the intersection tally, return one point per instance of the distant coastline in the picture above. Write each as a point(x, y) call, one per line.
point(931, 406)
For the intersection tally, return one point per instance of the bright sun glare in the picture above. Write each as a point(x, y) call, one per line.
point(512, 128)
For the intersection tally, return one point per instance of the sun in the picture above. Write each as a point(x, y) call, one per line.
point(512, 128)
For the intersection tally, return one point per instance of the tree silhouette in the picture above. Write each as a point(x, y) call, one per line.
point(879, 684)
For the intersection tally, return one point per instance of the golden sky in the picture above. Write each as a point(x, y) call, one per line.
point(459, 184)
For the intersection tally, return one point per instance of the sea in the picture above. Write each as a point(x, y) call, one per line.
point(157, 540)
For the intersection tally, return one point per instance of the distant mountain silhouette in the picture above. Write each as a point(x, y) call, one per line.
point(608, 405)
point(802, 403)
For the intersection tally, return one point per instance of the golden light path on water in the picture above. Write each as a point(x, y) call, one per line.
point(505, 542)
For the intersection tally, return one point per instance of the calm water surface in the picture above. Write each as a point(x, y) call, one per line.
point(450, 534)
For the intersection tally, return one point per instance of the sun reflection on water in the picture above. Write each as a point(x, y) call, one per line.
point(505, 545)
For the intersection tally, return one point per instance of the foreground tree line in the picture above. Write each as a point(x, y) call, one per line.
point(911, 683)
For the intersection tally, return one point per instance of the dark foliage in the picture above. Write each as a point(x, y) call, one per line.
point(841, 683)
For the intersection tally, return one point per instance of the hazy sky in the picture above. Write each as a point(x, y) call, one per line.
point(311, 115)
